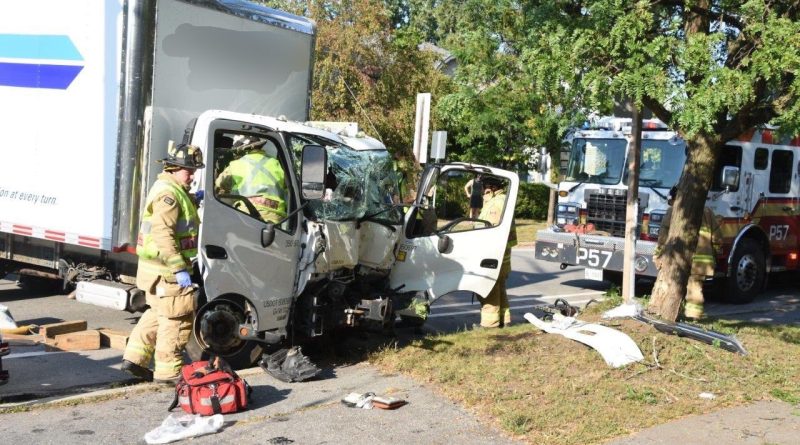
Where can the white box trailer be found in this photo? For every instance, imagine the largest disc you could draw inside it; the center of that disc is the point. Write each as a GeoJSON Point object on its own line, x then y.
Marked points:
{"type": "Point", "coordinates": [92, 91]}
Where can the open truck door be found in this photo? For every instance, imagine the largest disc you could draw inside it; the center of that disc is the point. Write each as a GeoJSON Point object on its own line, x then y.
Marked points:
{"type": "Point", "coordinates": [247, 255]}
{"type": "Point", "coordinates": [442, 248]}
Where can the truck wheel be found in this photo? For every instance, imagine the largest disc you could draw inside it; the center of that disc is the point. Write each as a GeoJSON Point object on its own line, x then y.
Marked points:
{"type": "Point", "coordinates": [244, 358]}
{"type": "Point", "coordinates": [747, 273]}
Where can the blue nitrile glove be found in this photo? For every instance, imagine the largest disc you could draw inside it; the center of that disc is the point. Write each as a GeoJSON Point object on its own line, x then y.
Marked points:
{"type": "Point", "coordinates": [184, 280]}
{"type": "Point", "coordinates": [198, 196]}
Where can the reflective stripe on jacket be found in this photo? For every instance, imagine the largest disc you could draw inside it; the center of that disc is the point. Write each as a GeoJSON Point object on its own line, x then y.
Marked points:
{"type": "Point", "coordinates": [185, 232]}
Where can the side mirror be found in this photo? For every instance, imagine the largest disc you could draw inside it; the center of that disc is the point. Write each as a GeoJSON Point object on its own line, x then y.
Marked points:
{"type": "Point", "coordinates": [730, 177]}
{"type": "Point", "coordinates": [444, 244]}
{"type": "Point", "coordinates": [267, 235]}
{"type": "Point", "coordinates": [313, 170]}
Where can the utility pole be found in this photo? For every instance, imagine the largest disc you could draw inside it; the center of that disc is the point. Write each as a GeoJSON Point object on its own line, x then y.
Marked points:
{"type": "Point", "coordinates": [632, 209]}
{"type": "Point", "coordinates": [423, 117]}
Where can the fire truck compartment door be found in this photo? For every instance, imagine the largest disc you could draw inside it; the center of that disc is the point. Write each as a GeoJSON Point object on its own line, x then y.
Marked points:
{"type": "Point", "coordinates": [474, 252]}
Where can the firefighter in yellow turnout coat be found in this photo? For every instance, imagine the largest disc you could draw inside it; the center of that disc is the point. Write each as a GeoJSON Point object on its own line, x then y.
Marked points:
{"type": "Point", "coordinates": [703, 260]}
{"type": "Point", "coordinates": [167, 242]}
{"type": "Point", "coordinates": [495, 311]}
{"type": "Point", "coordinates": [259, 178]}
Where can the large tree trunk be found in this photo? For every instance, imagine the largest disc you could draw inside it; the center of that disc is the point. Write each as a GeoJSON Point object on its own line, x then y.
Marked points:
{"type": "Point", "coordinates": [687, 214]}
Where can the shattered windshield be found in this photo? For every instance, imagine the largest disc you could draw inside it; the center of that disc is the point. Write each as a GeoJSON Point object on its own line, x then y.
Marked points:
{"type": "Point", "coordinates": [360, 184]}
{"type": "Point", "coordinates": [661, 163]}
{"type": "Point", "coordinates": [596, 161]}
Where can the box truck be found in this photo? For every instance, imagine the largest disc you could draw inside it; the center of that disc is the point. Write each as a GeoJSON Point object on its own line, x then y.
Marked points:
{"type": "Point", "coordinates": [90, 94]}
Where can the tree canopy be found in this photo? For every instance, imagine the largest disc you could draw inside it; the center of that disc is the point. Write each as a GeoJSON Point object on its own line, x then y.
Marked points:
{"type": "Point", "coordinates": [369, 68]}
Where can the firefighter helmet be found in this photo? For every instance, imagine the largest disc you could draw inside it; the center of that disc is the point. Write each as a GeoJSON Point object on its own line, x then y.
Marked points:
{"type": "Point", "coordinates": [248, 142]}
{"type": "Point", "coordinates": [185, 156]}
{"type": "Point", "coordinates": [492, 181]}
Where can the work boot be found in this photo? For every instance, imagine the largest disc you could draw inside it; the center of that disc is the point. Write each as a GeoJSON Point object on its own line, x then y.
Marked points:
{"type": "Point", "coordinates": [172, 381]}
{"type": "Point", "coordinates": [137, 371]}
{"type": "Point", "coordinates": [479, 327]}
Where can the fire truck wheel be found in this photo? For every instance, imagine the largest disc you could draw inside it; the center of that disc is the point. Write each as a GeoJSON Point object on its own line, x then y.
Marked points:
{"type": "Point", "coordinates": [748, 270]}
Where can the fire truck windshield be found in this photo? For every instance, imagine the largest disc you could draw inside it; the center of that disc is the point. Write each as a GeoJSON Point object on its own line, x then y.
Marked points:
{"type": "Point", "coordinates": [596, 161]}
{"type": "Point", "coordinates": [660, 164]}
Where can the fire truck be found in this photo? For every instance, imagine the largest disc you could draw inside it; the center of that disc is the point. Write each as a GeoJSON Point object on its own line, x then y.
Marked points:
{"type": "Point", "coordinates": [755, 196]}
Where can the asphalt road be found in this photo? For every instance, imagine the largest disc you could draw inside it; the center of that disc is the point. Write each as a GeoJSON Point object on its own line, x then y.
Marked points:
{"type": "Point", "coordinates": [530, 283]}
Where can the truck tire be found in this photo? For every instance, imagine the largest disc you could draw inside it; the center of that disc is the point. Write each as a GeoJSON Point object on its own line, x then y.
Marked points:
{"type": "Point", "coordinates": [244, 358]}
{"type": "Point", "coordinates": [747, 273]}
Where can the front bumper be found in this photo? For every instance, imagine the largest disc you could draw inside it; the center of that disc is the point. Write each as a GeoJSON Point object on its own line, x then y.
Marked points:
{"type": "Point", "coordinates": [592, 251]}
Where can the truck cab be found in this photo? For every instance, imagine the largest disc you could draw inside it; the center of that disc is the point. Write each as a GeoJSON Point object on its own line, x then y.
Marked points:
{"type": "Point", "coordinates": [347, 253]}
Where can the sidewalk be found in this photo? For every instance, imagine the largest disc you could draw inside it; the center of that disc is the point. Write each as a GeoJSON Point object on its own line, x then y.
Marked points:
{"type": "Point", "coordinates": [37, 375]}
{"type": "Point", "coordinates": [758, 423]}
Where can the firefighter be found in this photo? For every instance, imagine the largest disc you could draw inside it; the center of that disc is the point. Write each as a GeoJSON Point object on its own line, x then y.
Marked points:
{"type": "Point", "coordinates": [259, 178]}
{"type": "Point", "coordinates": [494, 308]}
{"type": "Point", "coordinates": [166, 244]}
{"type": "Point", "coordinates": [703, 259]}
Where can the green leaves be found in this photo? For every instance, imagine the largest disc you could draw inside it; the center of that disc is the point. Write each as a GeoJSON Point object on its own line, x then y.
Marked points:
{"type": "Point", "coordinates": [529, 69]}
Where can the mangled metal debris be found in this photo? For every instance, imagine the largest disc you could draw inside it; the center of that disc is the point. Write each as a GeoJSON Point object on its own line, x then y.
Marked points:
{"type": "Point", "coordinates": [616, 347]}
{"type": "Point", "coordinates": [726, 342]}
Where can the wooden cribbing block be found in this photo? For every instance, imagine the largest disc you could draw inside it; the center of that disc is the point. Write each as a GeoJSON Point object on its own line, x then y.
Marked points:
{"type": "Point", "coordinates": [76, 341]}
{"type": "Point", "coordinates": [49, 331]}
{"type": "Point", "coordinates": [114, 339]}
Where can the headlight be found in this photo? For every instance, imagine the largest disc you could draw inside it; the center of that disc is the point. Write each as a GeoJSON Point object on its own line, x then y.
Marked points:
{"type": "Point", "coordinates": [653, 230]}
{"type": "Point", "coordinates": [640, 263]}
{"type": "Point", "coordinates": [567, 214]}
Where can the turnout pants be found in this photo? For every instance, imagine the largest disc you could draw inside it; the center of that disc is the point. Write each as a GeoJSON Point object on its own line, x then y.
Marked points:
{"type": "Point", "coordinates": [693, 307]}
{"type": "Point", "coordinates": [494, 308]}
{"type": "Point", "coordinates": [163, 331]}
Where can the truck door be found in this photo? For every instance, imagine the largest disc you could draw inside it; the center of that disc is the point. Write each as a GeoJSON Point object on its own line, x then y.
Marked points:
{"type": "Point", "coordinates": [443, 248]}
{"type": "Point", "coordinates": [234, 212]}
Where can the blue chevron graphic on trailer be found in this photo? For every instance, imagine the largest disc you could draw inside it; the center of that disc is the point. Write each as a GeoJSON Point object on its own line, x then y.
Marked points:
{"type": "Point", "coordinates": [38, 61]}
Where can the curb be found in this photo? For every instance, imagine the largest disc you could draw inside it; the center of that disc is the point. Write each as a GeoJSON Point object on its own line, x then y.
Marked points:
{"type": "Point", "coordinates": [101, 391]}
